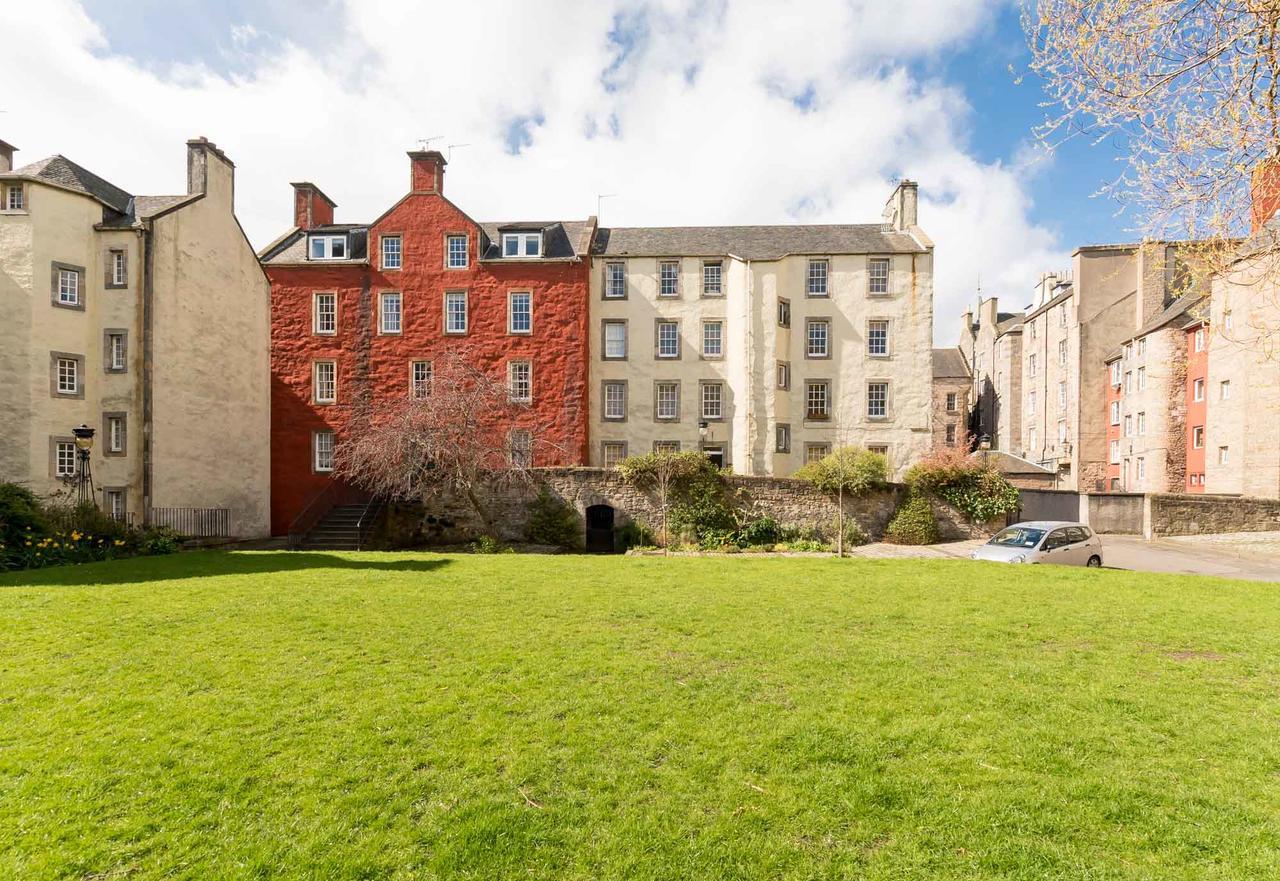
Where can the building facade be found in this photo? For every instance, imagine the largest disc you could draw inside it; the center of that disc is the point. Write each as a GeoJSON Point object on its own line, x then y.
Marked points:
{"type": "Point", "coordinates": [360, 312]}
{"type": "Point", "coordinates": [991, 342]}
{"type": "Point", "coordinates": [952, 386]}
{"type": "Point", "coordinates": [146, 318]}
{"type": "Point", "coordinates": [765, 347]}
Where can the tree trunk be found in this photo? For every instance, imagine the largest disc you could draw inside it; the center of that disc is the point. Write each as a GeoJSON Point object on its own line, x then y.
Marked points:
{"type": "Point", "coordinates": [840, 521]}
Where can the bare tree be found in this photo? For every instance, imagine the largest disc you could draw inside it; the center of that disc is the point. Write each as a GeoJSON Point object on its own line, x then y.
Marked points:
{"type": "Point", "coordinates": [454, 434]}
{"type": "Point", "coordinates": [663, 472]}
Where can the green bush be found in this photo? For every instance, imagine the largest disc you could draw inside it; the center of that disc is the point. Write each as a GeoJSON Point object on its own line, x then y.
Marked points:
{"type": "Point", "coordinates": [971, 486]}
{"type": "Point", "coordinates": [488, 544]}
{"type": "Point", "coordinates": [695, 491]}
{"type": "Point", "coordinates": [552, 522]}
{"type": "Point", "coordinates": [633, 534]}
{"type": "Point", "coordinates": [20, 514]}
{"type": "Point", "coordinates": [913, 522]}
{"type": "Point", "coordinates": [854, 469]}
{"type": "Point", "coordinates": [853, 534]}
{"type": "Point", "coordinates": [764, 531]}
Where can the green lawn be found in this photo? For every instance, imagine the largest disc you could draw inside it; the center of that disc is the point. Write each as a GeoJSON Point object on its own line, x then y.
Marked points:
{"type": "Point", "coordinates": [335, 716]}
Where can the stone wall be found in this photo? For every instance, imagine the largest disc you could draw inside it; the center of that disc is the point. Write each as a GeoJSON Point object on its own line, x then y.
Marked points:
{"type": "Point", "coordinates": [448, 519]}
{"type": "Point", "coordinates": [1202, 515]}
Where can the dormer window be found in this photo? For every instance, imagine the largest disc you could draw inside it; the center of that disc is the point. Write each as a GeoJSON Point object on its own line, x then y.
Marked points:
{"type": "Point", "coordinates": [522, 244]}
{"type": "Point", "coordinates": [13, 198]}
{"type": "Point", "coordinates": [328, 247]}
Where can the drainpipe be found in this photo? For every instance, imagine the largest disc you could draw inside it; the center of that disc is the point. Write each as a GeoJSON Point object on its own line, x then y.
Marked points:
{"type": "Point", "coordinates": [148, 351]}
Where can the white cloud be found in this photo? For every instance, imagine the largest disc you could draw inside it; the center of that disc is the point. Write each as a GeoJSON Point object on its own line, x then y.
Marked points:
{"type": "Point", "coordinates": [691, 112]}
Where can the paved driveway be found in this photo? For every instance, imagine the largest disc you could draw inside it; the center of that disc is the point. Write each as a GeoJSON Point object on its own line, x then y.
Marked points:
{"type": "Point", "coordinates": [1224, 556]}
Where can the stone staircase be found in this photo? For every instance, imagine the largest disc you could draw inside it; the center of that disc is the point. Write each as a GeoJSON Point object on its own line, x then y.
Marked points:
{"type": "Point", "coordinates": [342, 530]}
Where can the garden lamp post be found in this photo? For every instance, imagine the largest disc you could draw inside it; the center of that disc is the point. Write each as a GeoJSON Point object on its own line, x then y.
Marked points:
{"type": "Point", "coordinates": [84, 476]}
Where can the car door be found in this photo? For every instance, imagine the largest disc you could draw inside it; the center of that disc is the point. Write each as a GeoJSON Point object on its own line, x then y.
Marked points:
{"type": "Point", "coordinates": [1078, 550]}
{"type": "Point", "coordinates": [1056, 548]}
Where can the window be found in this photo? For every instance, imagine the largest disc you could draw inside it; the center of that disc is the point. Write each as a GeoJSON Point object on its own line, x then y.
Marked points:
{"type": "Point", "coordinates": [817, 399]}
{"type": "Point", "coordinates": [1031, 365]}
{"type": "Point", "coordinates": [1142, 379]}
{"type": "Point", "coordinates": [784, 312]}
{"type": "Point", "coordinates": [1034, 441]}
{"type": "Point", "coordinates": [879, 449]}
{"type": "Point", "coordinates": [1197, 437]}
{"type": "Point", "coordinates": [784, 375]}
{"type": "Point", "coordinates": [953, 402]}
{"type": "Point", "coordinates": [68, 376]}
{"type": "Point", "coordinates": [1062, 315]}
{"type": "Point", "coordinates": [1128, 426]}
{"type": "Point", "coordinates": [520, 381]}
{"type": "Point", "coordinates": [391, 253]}
{"type": "Point", "coordinates": [64, 458]}
{"type": "Point", "coordinates": [68, 287]}
{"type": "Point", "coordinates": [1115, 412]}
{"type": "Point", "coordinates": [712, 280]}
{"type": "Point", "coordinates": [613, 452]}
{"type": "Point", "coordinates": [520, 312]}
{"type": "Point", "coordinates": [1142, 468]}
{"type": "Point", "coordinates": [666, 446]}
{"type": "Point", "coordinates": [116, 360]}
{"type": "Point", "coordinates": [520, 447]}
{"type": "Point", "coordinates": [1114, 452]}
{"type": "Point", "coordinates": [1197, 390]}
{"type": "Point", "coordinates": [324, 381]}
{"type": "Point", "coordinates": [816, 285]}
{"type": "Point", "coordinates": [1224, 390]}
{"type": "Point", "coordinates": [817, 338]}
{"type": "Point", "coordinates": [325, 314]}
{"type": "Point", "coordinates": [456, 255]}
{"type": "Point", "coordinates": [1224, 455]}
{"type": "Point", "coordinates": [951, 434]}
{"type": "Point", "coordinates": [521, 244]}
{"type": "Point", "coordinates": [1033, 330]}
{"type": "Point", "coordinates": [419, 379]}
{"type": "Point", "coordinates": [1062, 395]}
{"type": "Point", "coordinates": [1142, 347]}
{"type": "Point", "coordinates": [119, 269]}
{"type": "Point", "coordinates": [878, 276]}
{"type": "Point", "coordinates": [1115, 373]}
{"type": "Point", "coordinates": [615, 400]}
{"type": "Point", "coordinates": [13, 198]}
{"type": "Point", "coordinates": [455, 312]}
{"type": "Point", "coordinates": [615, 281]}
{"type": "Point", "coordinates": [389, 313]}
{"type": "Point", "coordinates": [877, 400]}
{"type": "Point", "coordinates": [1031, 403]}
{"type": "Point", "coordinates": [666, 403]}
{"type": "Point", "coordinates": [328, 248]}
{"type": "Point", "coordinates": [1128, 381]}
{"type": "Point", "coordinates": [1227, 323]}
{"type": "Point", "coordinates": [668, 278]}
{"type": "Point", "coordinates": [615, 340]}
{"type": "Point", "coordinates": [878, 338]}
{"type": "Point", "coordinates": [782, 438]}
{"type": "Point", "coordinates": [816, 452]}
{"type": "Point", "coordinates": [115, 425]}
{"type": "Point", "coordinates": [712, 339]}
{"type": "Point", "coordinates": [668, 339]}
{"type": "Point", "coordinates": [1062, 352]}
{"type": "Point", "coordinates": [113, 501]}
{"type": "Point", "coordinates": [1128, 351]}
{"type": "Point", "coordinates": [712, 400]}
{"type": "Point", "coordinates": [1142, 424]}
{"type": "Point", "coordinates": [322, 444]}
{"type": "Point", "coordinates": [1062, 432]}
{"type": "Point", "coordinates": [1199, 343]}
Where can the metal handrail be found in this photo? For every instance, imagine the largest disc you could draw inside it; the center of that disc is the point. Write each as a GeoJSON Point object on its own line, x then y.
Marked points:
{"type": "Point", "coordinates": [334, 493]}
{"type": "Point", "coordinates": [373, 500]}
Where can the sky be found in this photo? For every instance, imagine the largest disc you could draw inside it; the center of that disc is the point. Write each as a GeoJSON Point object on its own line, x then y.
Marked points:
{"type": "Point", "coordinates": [675, 112]}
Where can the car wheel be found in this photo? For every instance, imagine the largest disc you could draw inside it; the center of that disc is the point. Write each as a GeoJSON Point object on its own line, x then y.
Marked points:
{"type": "Point", "coordinates": [1095, 562]}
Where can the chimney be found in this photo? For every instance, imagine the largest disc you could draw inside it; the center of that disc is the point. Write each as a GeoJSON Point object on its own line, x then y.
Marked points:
{"type": "Point", "coordinates": [901, 212]}
{"type": "Point", "coordinates": [1266, 192]}
{"type": "Point", "coordinates": [6, 156]}
{"type": "Point", "coordinates": [209, 170]}
{"type": "Point", "coordinates": [426, 171]}
{"type": "Point", "coordinates": [311, 208]}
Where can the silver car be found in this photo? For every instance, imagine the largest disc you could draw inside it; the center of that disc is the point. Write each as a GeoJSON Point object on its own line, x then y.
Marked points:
{"type": "Point", "coordinates": [1044, 541]}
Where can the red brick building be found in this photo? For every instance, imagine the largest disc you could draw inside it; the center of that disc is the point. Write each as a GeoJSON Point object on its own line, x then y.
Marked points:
{"type": "Point", "coordinates": [1196, 403]}
{"type": "Point", "coordinates": [360, 310]}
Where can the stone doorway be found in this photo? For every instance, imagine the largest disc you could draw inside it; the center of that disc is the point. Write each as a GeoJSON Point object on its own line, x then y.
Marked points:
{"type": "Point", "coordinates": [600, 529]}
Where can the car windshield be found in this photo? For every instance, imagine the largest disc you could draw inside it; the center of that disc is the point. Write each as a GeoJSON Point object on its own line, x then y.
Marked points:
{"type": "Point", "coordinates": [1018, 537]}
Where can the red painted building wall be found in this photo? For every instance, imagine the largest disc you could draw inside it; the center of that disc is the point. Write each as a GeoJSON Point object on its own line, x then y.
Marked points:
{"type": "Point", "coordinates": [378, 364]}
{"type": "Point", "coordinates": [1197, 411]}
{"type": "Point", "coordinates": [1114, 395]}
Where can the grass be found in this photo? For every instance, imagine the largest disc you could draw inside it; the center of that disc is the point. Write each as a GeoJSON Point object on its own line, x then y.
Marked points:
{"type": "Point", "coordinates": [342, 716]}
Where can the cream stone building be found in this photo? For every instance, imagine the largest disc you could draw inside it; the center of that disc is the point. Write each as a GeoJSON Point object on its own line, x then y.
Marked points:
{"type": "Point", "coordinates": [764, 346]}
{"type": "Point", "coordinates": [991, 342]}
{"type": "Point", "coordinates": [1242, 446]}
{"type": "Point", "coordinates": [146, 318]}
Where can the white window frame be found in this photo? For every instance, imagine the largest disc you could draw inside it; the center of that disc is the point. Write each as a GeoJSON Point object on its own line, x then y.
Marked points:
{"type": "Point", "coordinates": [878, 399]}
{"type": "Point", "coordinates": [385, 314]}
{"type": "Point", "coordinates": [1113, 453]}
{"type": "Point", "coordinates": [1224, 390]}
{"type": "Point", "coordinates": [1224, 455]}
{"type": "Point", "coordinates": [512, 297]}
{"type": "Point", "coordinates": [783, 378]}
{"type": "Point", "coordinates": [621, 340]}
{"type": "Point", "coordinates": [612, 452]}
{"type": "Point", "coordinates": [323, 444]}
{"type": "Point", "coordinates": [880, 326]}
{"type": "Point", "coordinates": [520, 447]}
{"type": "Point", "coordinates": [614, 394]}
{"type": "Point", "coordinates": [113, 500]}
{"type": "Point", "coordinates": [317, 327]}
{"type": "Point", "coordinates": [451, 254]}
{"type": "Point", "coordinates": [1062, 353]}
{"type": "Point", "coordinates": [784, 312]}
{"type": "Point", "coordinates": [782, 437]}
{"type": "Point", "coordinates": [522, 240]}
{"type": "Point", "coordinates": [817, 279]}
{"type": "Point", "coordinates": [1115, 412]}
{"type": "Point", "coordinates": [68, 287]}
{"type": "Point", "coordinates": [668, 409]}
{"type": "Point", "coordinates": [1197, 390]}
{"type": "Point", "coordinates": [1142, 423]}
{"type": "Point", "coordinates": [421, 374]}
{"type": "Point", "coordinates": [59, 459]}
{"type": "Point", "coordinates": [117, 352]}
{"type": "Point", "coordinates": [327, 243]}
{"type": "Point", "coordinates": [67, 369]}
{"type": "Point", "coordinates": [1197, 437]}
{"type": "Point", "coordinates": [809, 326]}
{"type": "Point", "coordinates": [1199, 340]}
{"type": "Point", "coordinates": [119, 268]}
{"type": "Point", "coordinates": [716, 351]}
{"type": "Point", "coordinates": [116, 434]}
{"type": "Point", "coordinates": [615, 280]}
{"type": "Point", "coordinates": [713, 278]}
{"type": "Point", "coordinates": [324, 382]}
{"type": "Point", "coordinates": [878, 269]}
{"type": "Point", "coordinates": [15, 198]}
{"type": "Point", "coordinates": [520, 381]}
{"type": "Point", "coordinates": [673, 290]}
{"type": "Point", "coordinates": [812, 387]}
{"type": "Point", "coordinates": [1142, 379]}
{"type": "Point", "coordinates": [659, 341]}
{"type": "Point", "coordinates": [450, 298]}
{"type": "Point", "coordinates": [952, 402]}
{"type": "Point", "coordinates": [392, 260]}
{"type": "Point", "coordinates": [711, 400]}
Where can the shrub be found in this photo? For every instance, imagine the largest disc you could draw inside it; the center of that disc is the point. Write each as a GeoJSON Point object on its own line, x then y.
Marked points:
{"type": "Point", "coordinates": [717, 539]}
{"type": "Point", "coordinates": [690, 491]}
{"type": "Point", "coordinates": [552, 522]}
{"type": "Point", "coordinates": [853, 469]}
{"type": "Point", "coordinates": [913, 522]}
{"type": "Point", "coordinates": [20, 514]}
{"type": "Point", "coordinates": [764, 531]}
{"type": "Point", "coordinates": [488, 544]}
{"type": "Point", "coordinates": [633, 534]}
{"type": "Point", "coordinates": [972, 487]}
{"type": "Point", "coordinates": [853, 534]}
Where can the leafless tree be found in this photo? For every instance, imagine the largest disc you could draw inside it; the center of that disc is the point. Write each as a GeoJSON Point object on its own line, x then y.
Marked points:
{"type": "Point", "coordinates": [458, 432]}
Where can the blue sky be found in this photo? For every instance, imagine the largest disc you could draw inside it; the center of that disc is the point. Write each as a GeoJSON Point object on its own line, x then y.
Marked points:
{"type": "Point", "coordinates": [691, 111]}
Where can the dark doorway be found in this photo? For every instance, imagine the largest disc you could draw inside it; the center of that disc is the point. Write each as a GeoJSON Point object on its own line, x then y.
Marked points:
{"type": "Point", "coordinates": [714, 452]}
{"type": "Point", "coordinates": [600, 529]}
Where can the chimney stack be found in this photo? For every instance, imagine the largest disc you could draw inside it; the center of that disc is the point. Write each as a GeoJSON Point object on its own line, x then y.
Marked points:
{"type": "Point", "coordinates": [901, 212]}
{"type": "Point", "coordinates": [1266, 193]}
{"type": "Point", "coordinates": [426, 171]}
{"type": "Point", "coordinates": [6, 156]}
{"type": "Point", "coordinates": [311, 207]}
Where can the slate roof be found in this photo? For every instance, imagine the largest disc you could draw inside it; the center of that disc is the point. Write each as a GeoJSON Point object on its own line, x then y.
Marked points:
{"type": "Point", "coordinates": [1180, 308]}
{"type": "Point", "coordinates": [1007, 463]}
{"type": "Point", "coordinates": [751, 242]}
{"type": "Point", "coordinates": [1067, 291]}
{"type": "Point", "coordinates": [949, 363]}
{"type": "Point", "coordinates": [293, 247]}
{"type": "Point", "coordinates": [63, 172]}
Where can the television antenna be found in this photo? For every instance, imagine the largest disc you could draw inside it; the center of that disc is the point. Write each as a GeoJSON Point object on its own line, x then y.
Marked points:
{"type": "Point", "coordinates": [425, 143]}
{"type": "Point", "coordinates": [600, 197]}
{"type": "Point", "coordinates": [450, 149]}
